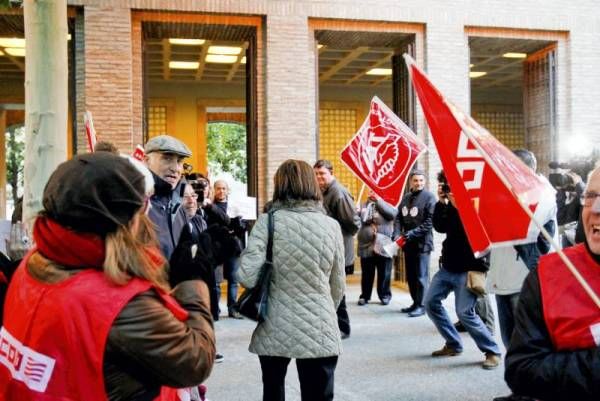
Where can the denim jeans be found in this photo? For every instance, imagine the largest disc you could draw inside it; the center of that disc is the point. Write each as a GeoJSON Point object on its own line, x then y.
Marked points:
{"type": "Point", "coordinates": [441, 285]}
{"type": "Point", "coordinates": [230, 268]}
{"type": "Point", "coordinates": [507, 306]}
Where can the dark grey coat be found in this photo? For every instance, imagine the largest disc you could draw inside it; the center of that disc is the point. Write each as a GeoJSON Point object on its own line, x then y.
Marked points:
{"type": "Point", "coordinates": [339, 204]}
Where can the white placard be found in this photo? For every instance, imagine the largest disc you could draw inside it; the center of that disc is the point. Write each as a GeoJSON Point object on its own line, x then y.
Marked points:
{"type": "Point", "coordinates": [242, 206]}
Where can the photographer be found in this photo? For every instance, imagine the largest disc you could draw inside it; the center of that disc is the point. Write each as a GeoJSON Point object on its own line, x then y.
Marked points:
{"type": "Point", "coordinates": [569, 189]}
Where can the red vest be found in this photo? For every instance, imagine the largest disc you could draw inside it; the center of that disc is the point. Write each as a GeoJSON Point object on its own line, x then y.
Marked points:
{"type": "Point", "coordinates": [572, 318]}
{"type": "Point", "coordinates": [54, 335]}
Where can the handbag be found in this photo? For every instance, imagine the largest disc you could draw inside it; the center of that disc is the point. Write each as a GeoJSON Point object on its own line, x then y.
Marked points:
{"type": "Point", "coordinates": [253, 301]}
{"type": "Point", "coordinates": [476, 282]}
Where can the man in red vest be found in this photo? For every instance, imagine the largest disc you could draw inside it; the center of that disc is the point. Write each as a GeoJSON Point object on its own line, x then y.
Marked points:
{"type": "Point", "coordinates": [554, 352]}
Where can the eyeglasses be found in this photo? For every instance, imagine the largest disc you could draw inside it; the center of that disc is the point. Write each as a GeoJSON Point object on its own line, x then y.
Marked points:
{"type": "Point", "coordinates": [195, 196]}
{"type": "Point", "coordinates": [589, 197]}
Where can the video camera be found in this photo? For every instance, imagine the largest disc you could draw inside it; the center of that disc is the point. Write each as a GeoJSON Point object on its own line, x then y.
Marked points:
{"type": "Point", "coordinates": [199, 183]}
{"type": "Point", "coordinates": [560, 179]}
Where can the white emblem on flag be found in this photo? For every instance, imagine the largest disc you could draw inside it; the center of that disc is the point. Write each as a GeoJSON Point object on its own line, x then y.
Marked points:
{"type": "Point", "coordinates": [595, 329]}
{"type": "Point", "coordinates": [25, 365]}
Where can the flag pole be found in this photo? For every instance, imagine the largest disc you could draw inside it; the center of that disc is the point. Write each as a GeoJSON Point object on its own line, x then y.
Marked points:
{"type": "Point", "coordinates": [360, 194]}
{"type": "Point", "coordinates": [544, 232]}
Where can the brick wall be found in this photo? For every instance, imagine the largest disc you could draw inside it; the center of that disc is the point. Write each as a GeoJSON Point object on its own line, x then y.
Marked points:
{"type": "Point", "coordinates": [108, 77]}
{"type": "Point", "coordinates": [284, 84]}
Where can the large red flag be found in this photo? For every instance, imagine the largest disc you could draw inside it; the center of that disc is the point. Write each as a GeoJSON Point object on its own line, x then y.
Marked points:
{"type": "Point", "coordinates": [382, 152]}
{"type": "Point", "coordinates": [485, 177]}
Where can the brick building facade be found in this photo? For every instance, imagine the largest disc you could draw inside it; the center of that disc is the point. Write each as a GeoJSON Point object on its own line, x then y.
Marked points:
{"type": "Point", "coordinates": [108, 68]}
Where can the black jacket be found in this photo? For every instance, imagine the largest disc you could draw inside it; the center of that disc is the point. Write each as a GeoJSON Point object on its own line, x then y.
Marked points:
{"type": "Point", "coordinates": [534, 368]}
{"type": "Point", "coordinates": [417, 229]}
{"type": "Point", "coordinates": [457, 255]}
{"type": "Point", "coordinates": [167, 214]}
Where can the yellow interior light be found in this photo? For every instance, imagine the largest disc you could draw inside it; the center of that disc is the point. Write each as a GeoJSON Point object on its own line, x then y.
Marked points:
{"type": "Point", "coordinates": [320, 46]}
{"type": "Point", "coordinates": [514, 55]}
{"type": "Point", "coordinates": [186, 42]}
{"type": "Point", "coordinates": [379, 71]}
{"type": "Point", "coordinates": [12, 42]}
{"type": "Point", "coordinates": [220, 59]}
{"type": "Point", "coordinates": [225, 50]}
{"type": "Point", "coordinates": [477, 74]}
{"type": "Point", "coordinates": [184, 65]}
{"type": "Point", "coordinates": [243, 60]}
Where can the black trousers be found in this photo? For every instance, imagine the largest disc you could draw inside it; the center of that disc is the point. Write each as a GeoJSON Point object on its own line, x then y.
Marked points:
{"type": "Point", "coordinates": [315, 375]}
{"type": "Point", "coordinates": [417, 274]}
{"type": "Point", "coordinates": [384, 277]}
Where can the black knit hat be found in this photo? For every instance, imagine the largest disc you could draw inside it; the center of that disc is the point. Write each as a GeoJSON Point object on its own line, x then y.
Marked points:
{"type": "Point", "coordinates": [94, 193]}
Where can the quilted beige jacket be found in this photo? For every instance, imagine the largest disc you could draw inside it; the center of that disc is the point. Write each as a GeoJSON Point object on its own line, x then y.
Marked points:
{"type": "Point", "coordinates": [307, 284]}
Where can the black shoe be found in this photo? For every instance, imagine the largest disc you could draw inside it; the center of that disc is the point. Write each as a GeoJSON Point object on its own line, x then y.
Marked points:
{"type": "Point", "coordinates": [344, 335]}
{"type": "Point", "coordinates": [362, 301]}
{"type": "Point", "coordinates": [409, 309]}
{"type": "Point", "coordinates": [219, 358]}
{"type": "Point", "coordinates": [385, 301]}
{"type": "Point", "coordinates": [235, 314]}
{"type": "Point", "coordinates": [419, 311]}
{"type": "Point", "coordinates": [460, 327]}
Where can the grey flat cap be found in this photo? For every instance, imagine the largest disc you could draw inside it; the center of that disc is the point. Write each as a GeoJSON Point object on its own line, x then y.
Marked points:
{"type": "Point", "coordinates": [167, 144]}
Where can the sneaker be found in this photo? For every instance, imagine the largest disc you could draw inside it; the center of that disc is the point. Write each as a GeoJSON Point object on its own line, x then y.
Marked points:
{"type": "Point", "coordinates": [235, 314]}
{"type": "Point", "coordinates": [491, 361]}
{"type": "Point", "coordinates": [409, 309]}
{"type": "Point", "coordinates": [219, 358]}
{"type": "Point", "coordinates": [362, 301]}
{"type": "Point", "coordinates": [420, 311]}
{"type": "Point", "coordinates": [446, 351]}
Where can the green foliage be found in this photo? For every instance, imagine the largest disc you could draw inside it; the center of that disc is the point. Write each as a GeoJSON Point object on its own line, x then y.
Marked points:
{"type": "Point", "coordinates": [15, 157]}
{"type": "Point", "coordinates": [4, 4]}
{"type": "Point", "coordinates": [226, 145]}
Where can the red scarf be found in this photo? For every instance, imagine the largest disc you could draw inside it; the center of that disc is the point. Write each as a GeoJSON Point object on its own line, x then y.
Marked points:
{"type": "Point", "coordinates": [67, 247]}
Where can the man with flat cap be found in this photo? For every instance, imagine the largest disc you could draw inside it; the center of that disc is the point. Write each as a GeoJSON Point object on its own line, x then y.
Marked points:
{"type": "Point", "coordinates": [164, 157]}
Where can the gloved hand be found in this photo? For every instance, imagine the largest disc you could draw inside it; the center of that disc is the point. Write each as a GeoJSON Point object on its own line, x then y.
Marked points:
{"type": "Point", "coordinates": [191, 260]}
{"type": "Point", "coordinates": [225, 244]}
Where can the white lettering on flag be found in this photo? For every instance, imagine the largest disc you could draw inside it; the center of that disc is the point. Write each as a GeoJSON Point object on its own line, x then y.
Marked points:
{"type": "Point", "coordinates": [25, 365]}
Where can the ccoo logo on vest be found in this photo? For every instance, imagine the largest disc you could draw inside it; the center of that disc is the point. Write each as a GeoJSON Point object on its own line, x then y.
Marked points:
{"type": "Point", "coordinates": [25, 365]}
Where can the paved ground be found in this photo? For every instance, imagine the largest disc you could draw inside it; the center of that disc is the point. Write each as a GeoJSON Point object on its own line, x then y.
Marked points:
{"type": "Point", "coordinates": [387, 358]}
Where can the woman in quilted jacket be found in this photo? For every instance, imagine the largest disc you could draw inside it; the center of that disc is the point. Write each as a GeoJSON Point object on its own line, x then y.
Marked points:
{"type": "Point", "coordinates": [306, 287]}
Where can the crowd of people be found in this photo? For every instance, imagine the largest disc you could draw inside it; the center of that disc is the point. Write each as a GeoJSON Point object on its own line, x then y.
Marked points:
{"type": "Point", "coordinates": [134, 255]}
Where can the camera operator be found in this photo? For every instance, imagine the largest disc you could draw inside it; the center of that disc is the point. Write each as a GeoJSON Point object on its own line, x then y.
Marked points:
{"type": "Point", "coordinates": [569, 190]}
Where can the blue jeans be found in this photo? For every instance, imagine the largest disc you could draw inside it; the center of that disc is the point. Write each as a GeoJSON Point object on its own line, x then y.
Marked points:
{"type": "Point", "coordinates": [441, 285]}
{"type": "Point", "coordinates": [507, 306]}
{"type": "Point", "coordinates": [230, 268]}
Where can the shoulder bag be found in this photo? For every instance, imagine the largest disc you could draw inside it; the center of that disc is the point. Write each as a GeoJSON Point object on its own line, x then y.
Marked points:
{"type": "Point", "coordinates": [253, 301]}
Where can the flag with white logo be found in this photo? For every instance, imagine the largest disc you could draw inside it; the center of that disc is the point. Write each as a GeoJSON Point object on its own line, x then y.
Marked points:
{"type": "Point", "coordinates": [486, 178]}
{"type": "Point", "coordinates": [382, 152]}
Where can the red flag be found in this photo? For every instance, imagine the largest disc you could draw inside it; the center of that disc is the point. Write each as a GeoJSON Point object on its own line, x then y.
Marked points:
{"type": "Point", "coordinates": [382, 152]}
{"type": "Point", "coordinates": [139, 153]}
{"type": "Point", "coordinates": [90, 132]}
{"type": "Point", "coordinates": [486, 178]}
